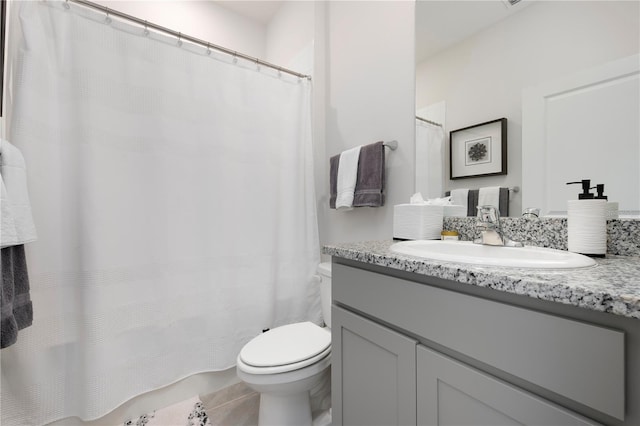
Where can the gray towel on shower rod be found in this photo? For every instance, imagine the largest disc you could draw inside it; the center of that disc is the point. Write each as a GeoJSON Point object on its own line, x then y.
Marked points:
{"type": "Point", "coordinates": [370, 182]}
{"type": "Point", "coordinates": [16, 310]}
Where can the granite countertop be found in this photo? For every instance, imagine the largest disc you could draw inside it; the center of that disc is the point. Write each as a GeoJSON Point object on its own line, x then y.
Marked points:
{"type": "Point", "coordinates": [613, 285]}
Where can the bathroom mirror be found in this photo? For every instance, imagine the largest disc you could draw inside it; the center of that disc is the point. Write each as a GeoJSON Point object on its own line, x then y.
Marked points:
{"type": "Point", "coordinates": [476, 60]}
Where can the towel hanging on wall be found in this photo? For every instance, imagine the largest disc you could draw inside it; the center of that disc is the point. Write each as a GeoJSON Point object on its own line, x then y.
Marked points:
{"type": "Point", "coordinates": [16, 223]}
{"type": "Point", "coordinates": [16, 229]}
{"type": "Point", "coordinates": [369, 177]}
{"type": "Point", "coordinates": [17, 309]}
{"type": "Point", "coordinates": [370, 182]}
{"type": "Point", "coordinates": [347, 177]}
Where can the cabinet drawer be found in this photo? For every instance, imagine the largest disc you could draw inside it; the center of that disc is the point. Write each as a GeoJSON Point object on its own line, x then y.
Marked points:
{"type": "Point", "coordinates": [580, 361]}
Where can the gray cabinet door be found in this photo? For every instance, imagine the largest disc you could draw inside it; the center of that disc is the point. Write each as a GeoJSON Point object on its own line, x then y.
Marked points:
{"type": "Point", "coordinates": [373, 373]}
{"type": "Point", "coordinates": [452, 393]}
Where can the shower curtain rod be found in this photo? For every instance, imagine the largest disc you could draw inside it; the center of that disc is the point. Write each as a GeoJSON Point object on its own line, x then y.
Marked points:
{"type": "Point", "coordinates": [181, 36]}
{"type": "Point", "coordinates": [428, 121]}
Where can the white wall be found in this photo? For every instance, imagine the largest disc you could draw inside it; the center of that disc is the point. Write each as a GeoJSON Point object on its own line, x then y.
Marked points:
{"type": "Point", "coordinates": [370, 97]}
{"type": "Point", "coordinates": [201, 19]}
{"type": "Point", "coordinates": [290, 35]}
{"type": "Point", "coordinates": [296, 39]}
{"type": "Point", "coordinates": [482, 78]}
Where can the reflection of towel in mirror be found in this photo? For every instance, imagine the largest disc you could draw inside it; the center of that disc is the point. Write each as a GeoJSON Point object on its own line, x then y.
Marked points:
{"type": "Point", "coordinates": [16, 310]}
{"type": "Point", "coordinates": [489, 196]}
{"type": "Point", "coordinates": [370, 183]}
{"type": "Point", "coordinates": [460, 197]}
{"type": "Point", "coordinates": [495, 196]}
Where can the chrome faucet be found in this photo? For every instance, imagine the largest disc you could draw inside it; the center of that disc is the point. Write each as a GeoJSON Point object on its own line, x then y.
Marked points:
{"type": "Point", "coordinates": [490, 229]}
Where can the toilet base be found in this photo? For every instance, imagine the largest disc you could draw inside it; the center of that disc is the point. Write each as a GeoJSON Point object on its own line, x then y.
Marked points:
{"type": "Point", "coordinates": [284, 397]}
{"type": "Point", "coordinates": [284, 410]}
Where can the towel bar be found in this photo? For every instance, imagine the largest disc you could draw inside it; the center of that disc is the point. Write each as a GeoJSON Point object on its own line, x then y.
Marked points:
{"type": "Point", "coordinates": [392, 145]}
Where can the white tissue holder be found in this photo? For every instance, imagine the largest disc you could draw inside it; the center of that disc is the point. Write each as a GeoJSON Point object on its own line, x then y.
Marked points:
{"type": "Point", "coordinates": [417, 221]}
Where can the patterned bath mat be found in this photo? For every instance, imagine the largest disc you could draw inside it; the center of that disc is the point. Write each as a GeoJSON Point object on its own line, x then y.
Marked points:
{"type": "Point", "coordinates": [186, 413]}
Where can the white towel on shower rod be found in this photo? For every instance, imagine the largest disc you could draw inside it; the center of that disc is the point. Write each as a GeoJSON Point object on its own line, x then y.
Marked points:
{"type": "Point", "coordinates": [347, 176]}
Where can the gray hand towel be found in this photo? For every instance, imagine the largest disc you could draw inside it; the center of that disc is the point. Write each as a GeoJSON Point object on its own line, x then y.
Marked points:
{"type": "Point", "coordinates": [16, 310]}
{"type": "Point", "coordinates": [472, 206]}
{"type": "Point", "coordinates": [370, 182]}
{"type": "Point", "coordinates": [504, 202]}
{"type": "Point", "coordinates": [333, 180]}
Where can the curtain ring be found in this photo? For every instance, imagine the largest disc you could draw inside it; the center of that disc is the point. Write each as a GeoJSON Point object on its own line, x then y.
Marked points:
{"type": "Point", "coordinates": [258, 64]}
{"type": "Point", "coordinates": [107, 19]}
{"type": "Point", "coordinates": [66, 5]}
{"type": "Point", "coordinates": [146, 30]}
{"type": "Point", "coordinates": [179, 39]}
{"type": "Point", "coordinates": [208, 48]}
{"type": "Point", "coordinates": [235, 57]}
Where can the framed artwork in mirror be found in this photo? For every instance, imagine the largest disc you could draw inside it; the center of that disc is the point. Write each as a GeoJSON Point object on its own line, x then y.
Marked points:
{"type": "Point", "coordinates": [479, 150]}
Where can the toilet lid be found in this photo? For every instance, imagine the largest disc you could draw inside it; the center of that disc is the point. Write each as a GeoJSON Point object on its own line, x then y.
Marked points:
{"type": "Point", "coordinates": [284, 345]}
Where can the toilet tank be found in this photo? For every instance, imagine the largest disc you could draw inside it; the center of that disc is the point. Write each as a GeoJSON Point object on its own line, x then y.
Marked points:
{"type": "Point", "coordinates": [324, 271]}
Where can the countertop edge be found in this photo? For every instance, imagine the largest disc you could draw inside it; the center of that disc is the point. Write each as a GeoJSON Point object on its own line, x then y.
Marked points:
{"type": "Point", "coordinates": [588, 288]}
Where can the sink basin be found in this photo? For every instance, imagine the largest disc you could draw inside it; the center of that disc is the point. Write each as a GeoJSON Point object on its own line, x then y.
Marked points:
{"type": "Point", "coordinates": [483, 255]}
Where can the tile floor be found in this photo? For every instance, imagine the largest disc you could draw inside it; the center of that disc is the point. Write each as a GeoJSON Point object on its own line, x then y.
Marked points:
{"type": "Point", "coordinates": [235, 405]}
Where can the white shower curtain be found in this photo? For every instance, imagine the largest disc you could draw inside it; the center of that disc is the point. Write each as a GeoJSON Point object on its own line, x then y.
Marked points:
{"type": "Point", "coordinates": [173, 195]}
{"type": "Point", "coordinates": [430, 156]}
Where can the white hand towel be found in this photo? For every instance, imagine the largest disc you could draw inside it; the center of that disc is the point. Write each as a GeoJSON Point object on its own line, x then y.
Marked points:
{"type": "Point", "coordinates": [460, 197]}
{"type": "Point", "coordinates": [17, 227]}
{"type": "Point", "coordinates": [8, 231]}
{"type": "Point", "coordinates": [489, 196]}
{"type": "Point", "coordinates": [347, 176]}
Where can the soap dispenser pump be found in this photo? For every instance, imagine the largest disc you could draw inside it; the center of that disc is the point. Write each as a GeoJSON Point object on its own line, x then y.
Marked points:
{"type": "Point", "coordinates": [586, 186]}
{"type": "Point", "coordinates": [600, 190]}
{"type": "Point", "coordinates": [586, 221]}
{"type": "Point", "coordinates": [612, 207]}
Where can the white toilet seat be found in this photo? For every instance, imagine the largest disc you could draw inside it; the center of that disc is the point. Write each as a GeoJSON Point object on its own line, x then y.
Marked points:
{"type": "Point", "coordinates": [286, 348]}
{"type": "Point", "coordinates": [282, 368]}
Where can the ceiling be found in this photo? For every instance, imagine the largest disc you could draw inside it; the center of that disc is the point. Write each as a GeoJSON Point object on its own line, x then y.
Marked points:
{"type": "Point", "coordinates": [439, 23]}
{"type": "Point", "coordinates": [258, 10]}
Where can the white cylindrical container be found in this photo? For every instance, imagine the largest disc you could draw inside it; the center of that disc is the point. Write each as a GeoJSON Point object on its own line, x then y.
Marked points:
{"type": "Point", "coordinates": [587, 227]}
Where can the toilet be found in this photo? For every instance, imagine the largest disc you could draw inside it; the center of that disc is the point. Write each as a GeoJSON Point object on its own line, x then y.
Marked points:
{"type": "Point", "coordinates": [285, 363]}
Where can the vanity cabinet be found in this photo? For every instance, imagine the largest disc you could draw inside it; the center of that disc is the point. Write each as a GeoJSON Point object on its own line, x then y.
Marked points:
{"type": "Point", "coordinates": [377, 370]}
{"type": "Point", "coordinates": [452, 393]}
{"type": "Point", "coordinates": [408, 352]}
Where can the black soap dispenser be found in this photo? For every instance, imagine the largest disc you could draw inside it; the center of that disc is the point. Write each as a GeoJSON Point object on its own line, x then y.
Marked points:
{"type": "Point", "coordinates": [600, 190]}
{"type": "Point", "coordinates": [586, 221]}
{"type": "Point", "coordinates": [612, 207]}
{"type": "Point", "coordinates": [586, 186]}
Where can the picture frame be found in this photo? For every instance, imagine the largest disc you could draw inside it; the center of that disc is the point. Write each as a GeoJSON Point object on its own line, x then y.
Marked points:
{"type": "Point", "coordinates": [478, 150]}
